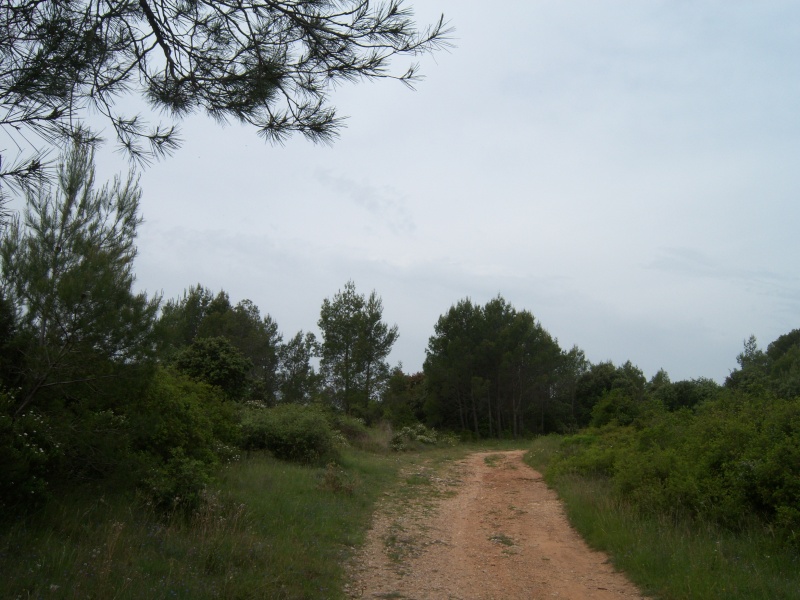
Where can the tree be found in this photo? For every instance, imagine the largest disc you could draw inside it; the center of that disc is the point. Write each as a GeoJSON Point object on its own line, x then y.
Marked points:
{"type": "Point", "coordinates": [492, 370]}
{"type": "Point", "coordinates": [217, 362]}
{"type": "Point", "coordinates": [753, 367]}
{"type": "Point", "coordinates": [297, 379]}
{"type": "Point", "coordinates": [355, 344]}
{"type": "Point", "coordinates": [180, 320]}
{"type": "Point", "coordinates": [374, 345]}
{"type": "Point", "coordinates": [67, 269]}
{"type": "Point", "coordinates": [267, 63]}
{"type": "Point", "coordinates": [201, 314]}
{"type": "Point", "coordinates": [403, 399]}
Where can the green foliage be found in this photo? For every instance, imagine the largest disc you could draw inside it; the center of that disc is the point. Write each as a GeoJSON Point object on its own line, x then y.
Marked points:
{"type": "Point", "coordinates": [67, 269]}
{"type": "Point", "coordinates": [737, 456]}
{"type": "Point", "coordinates": [178, 484]}
{"type": "Point", "coordinates": [297, 380]}
{"type": "Point", "coordinates": [353, 429]}
{"type": "Point", "coordinates": [777, 369]}
{"type": "Point", "coordinates": [180, 430]}
{"type": "Point", "coordinates": [355, 344]}
{"type": "Point", "coordinates": [617, 407]}
{"type": "Point", "coordinates": [264, 529]}
{"type": "Point", "coordinates": [493, 370]}
{"type": "Point", "coordinates": [179, 413]}
{"type": "Point", "coordinates": [403, 402]}
{"type": "Point", "coordinates": [418, 436]}
{"type": "Point", "coordinates": [28, 453]}
{"type": "Point", "coordinates": [217, 362]}
{"type": "Point", "coordinates": [269, 65]}
{"type": "Point", "coordinates": [290, 432]}
{"type": "Point", "coordinates": [667, 554]}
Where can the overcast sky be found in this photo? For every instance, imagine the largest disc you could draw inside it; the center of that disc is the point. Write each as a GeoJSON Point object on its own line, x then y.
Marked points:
{"type": "Point", "coordinates": [627, 171]}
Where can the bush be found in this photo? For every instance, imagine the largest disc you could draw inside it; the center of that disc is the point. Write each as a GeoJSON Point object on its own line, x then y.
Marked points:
{"type": "Point", "coordinates": [27, 454]}
{"type": "Point", "coordinates": [353, 431]}
{"type": "Point", "coordinates": [179, 413]}
{"type": "Point", "coordinates": [418, 436]}
{"type": "Point", "coordinates": [737, 457]}
{"type": "Point", "coordinates": [179, 484]}
{"type": "Point", "coordinates": [180, 430]}
{"type": "Point", "coordinates": [290, 432]}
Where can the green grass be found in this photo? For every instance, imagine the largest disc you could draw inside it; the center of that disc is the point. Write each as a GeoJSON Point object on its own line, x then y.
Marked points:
{"type": "Point", "coordinates": [674, 559]}
{"type": "Point", "coordinates": [276, 531]}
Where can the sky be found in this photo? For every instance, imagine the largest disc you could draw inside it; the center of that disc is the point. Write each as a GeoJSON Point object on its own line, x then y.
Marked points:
{"type": "Point", "coordinates": [627, 171]}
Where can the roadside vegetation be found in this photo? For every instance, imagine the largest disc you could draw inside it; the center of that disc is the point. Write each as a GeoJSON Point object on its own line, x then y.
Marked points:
{"type": "Point", "coordinates": [265, 528]}
{"type": "Point", "coordinates": [183, 448]}
{"type": "Point", "coordinates": [695, 505]}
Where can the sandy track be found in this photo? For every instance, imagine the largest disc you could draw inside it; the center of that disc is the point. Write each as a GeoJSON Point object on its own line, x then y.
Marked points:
{"type": "Point", "coordinates": [489, 528]}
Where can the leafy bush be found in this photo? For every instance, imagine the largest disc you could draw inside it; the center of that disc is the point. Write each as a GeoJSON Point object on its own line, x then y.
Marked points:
{"type": "Point", "coordinates": [180, 430]}
{"type": "Point", "coordinates": [418, 436]}
{"type": "Point", "coordinates": [737, 457]}
{"type": "Point", "coordinates": [177, 412]}
{"type": "Point", "coordinates": [352, 431]}
{"type": "Point", "coordinates": [290, 432]}
{"type": "Point", "coordinates": [27, 453]}
{"type": "Point", "coordinates": [218, 362]}
{"type": "Point", "coordinates": [179, 483]}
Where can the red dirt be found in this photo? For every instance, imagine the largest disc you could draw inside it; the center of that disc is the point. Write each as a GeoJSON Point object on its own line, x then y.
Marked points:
{"type": "Point", "coordinates": [487, 528]}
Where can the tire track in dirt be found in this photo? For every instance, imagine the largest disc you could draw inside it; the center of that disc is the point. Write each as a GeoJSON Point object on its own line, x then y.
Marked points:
{"type": "Point", "coordinates": [489, 529]}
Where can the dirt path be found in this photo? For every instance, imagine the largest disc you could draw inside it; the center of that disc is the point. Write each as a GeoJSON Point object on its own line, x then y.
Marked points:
{"type": "Point", "coordinates": [486, 527]}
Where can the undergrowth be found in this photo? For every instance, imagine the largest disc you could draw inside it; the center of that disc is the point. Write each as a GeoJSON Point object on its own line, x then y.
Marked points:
{"type": "Point", "coordinates": [669, 556]}
{"type": "Point", "coordinates": [268, 529]}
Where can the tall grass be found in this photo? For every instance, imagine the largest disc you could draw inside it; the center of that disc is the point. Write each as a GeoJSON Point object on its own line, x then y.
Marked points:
{"type": "Point", "coordinates": [269, 530]}
{"type": "Point", "coordinates": [673, 558]}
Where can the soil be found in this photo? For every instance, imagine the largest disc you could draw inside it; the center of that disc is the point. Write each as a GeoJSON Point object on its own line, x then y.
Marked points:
{"type": "Point", "coordinates": [483, 528]}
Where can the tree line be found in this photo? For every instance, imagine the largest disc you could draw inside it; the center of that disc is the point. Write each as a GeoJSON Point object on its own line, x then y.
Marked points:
{"type": "Point", "coordinates": [97, 379]}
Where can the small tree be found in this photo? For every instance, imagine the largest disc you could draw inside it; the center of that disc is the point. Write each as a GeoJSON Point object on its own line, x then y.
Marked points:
{"type": "Point", "coordinates": [217, 362]}
{"type": "Point", "coordinates": [355, 344]}
{"type": "Point", "coordinates": [67, 271]}
{"type": "Point", "coordinates": [298, 381]}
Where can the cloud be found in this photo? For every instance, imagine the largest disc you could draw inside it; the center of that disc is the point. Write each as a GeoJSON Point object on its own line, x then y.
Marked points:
{"type": "Point", "coordinates": [383, 202]}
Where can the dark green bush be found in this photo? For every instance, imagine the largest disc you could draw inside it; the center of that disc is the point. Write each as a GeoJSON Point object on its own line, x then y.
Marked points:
{"type": "Point", "coordinates": [218, 362]}
{"type": "Point", "coordinates": [736, 458]}
{"type": "Point", "coordinates": [177, 485]}
{"type": "Point", "coordinates": [180, 430]}
{"type": "Point", "coordinates": [28, 453]}
{"type": "Point", "coordinates": [290, 432]}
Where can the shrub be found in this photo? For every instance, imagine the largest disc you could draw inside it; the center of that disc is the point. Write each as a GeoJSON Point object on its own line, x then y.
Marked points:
{"type": "Point", "coordinates": [27, 454]}
{"type": "Point", "coordinates": [178, 485]}
{"type": "Point", "coordinates": [180, 430]}
{"type": "Point", "coordinates": [737, 457]}
{"type": "Point", "coordinates": [352, 428]}
{"type": "Point", "coordinates": [218, 362]}
{"type": "Point", "coordinates": [290, 432]}
{"type": "Point", "coordinates": [418, 436]}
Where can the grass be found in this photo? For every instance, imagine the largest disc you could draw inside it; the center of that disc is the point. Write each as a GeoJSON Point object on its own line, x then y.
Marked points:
{"type": "Point", "coordinates": [501, 538]}
{"type": "Point", "coordinates": [270, 530]}
{"type": "Point", "coordinates": [674, 559]}
{"type": "Point", "coordinates": [492, 460]}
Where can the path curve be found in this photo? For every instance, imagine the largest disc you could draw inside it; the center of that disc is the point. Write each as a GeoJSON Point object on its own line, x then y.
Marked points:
{"type": "Point", "coordinates": [489, 529]}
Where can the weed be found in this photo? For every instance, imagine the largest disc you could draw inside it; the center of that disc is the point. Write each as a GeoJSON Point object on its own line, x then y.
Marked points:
{"type": "Point", "coordinates": [501, 538]}
{"type": "Point", "coordinates": [492, 460]}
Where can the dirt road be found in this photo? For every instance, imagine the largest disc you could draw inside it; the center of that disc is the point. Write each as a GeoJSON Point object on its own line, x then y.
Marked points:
{"type": "Point", "coordinates": [486, 527]}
